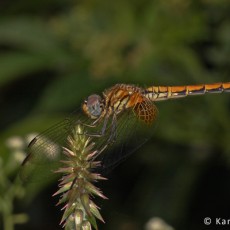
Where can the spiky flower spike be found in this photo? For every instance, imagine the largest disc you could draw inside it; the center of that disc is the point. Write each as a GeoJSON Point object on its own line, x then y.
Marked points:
{"type": "Point", "coordinates": [76, 185]}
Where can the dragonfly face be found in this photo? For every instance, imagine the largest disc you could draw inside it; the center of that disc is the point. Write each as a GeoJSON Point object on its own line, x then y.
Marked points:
{"type": "Point", "coordinates": [93, 106]}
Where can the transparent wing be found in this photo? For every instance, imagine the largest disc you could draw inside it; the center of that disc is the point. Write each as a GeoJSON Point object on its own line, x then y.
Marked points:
{"type": "Point", "coordinates": [123, 135]}
{"type": "Point", "coordinates": [45, 150]}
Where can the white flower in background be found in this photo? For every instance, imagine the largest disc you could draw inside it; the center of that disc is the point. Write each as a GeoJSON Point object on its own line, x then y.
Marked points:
{"type": "Point", "coordinates": [18, 145]}
{"type": "Point", "coordinates": [157, 223]}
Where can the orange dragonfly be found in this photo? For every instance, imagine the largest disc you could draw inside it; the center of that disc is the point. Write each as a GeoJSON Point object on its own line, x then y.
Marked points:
{"type": "Point", "coordinates": [114, 119]}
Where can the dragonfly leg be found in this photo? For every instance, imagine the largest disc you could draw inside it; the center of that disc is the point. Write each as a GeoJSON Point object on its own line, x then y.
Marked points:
{"type": "Point", "coordinates": [93, 125]}
{"type": "Point", "coordinates": [111, 139]}
{"type": "Point", "coordinates": [102, 132]}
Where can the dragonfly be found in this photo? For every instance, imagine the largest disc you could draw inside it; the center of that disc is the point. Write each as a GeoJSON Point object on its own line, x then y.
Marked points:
{"type": "Point", "coordinates": [113, 119]}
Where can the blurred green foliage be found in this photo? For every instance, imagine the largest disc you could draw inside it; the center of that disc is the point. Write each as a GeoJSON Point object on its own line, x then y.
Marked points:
{"type": "Point", "coordinates": [54, 53]}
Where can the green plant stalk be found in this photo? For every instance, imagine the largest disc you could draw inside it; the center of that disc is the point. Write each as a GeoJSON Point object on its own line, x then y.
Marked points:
{"type": "Point", "coordinates": [14, 190]}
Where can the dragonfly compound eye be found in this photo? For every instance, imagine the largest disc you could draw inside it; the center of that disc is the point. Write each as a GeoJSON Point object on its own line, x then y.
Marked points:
{"type": "Point", "coordinates": [92, 106]}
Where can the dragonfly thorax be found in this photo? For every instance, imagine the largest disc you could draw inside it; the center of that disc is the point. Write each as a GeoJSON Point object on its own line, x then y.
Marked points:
{"type": "Point", "coordinates": [93, 106]}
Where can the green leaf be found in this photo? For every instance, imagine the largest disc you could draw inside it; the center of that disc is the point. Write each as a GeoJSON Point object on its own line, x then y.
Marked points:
{"type": "Point", "coordinates": [15, 65]}
{"type": "Point", "coordinates": [32, 34]}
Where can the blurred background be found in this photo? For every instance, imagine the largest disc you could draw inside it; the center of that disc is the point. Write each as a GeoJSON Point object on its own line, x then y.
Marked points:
{"type": "Point", "coordinates": [54, 53]}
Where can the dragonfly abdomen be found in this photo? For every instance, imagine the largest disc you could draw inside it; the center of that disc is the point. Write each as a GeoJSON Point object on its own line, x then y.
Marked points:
{"type": "Point", "coordinates": [158, 93]}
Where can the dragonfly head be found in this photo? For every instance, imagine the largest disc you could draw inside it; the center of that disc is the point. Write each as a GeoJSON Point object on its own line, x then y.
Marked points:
{"type": "Point", "coordinates": [93, 106]}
